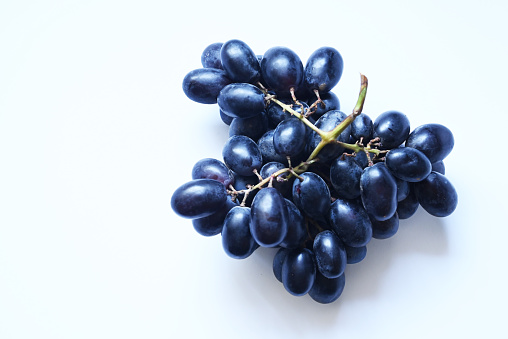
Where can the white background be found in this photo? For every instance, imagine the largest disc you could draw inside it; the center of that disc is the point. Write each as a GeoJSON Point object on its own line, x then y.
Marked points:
{"type": "Point", "coordinates": [96, 134]}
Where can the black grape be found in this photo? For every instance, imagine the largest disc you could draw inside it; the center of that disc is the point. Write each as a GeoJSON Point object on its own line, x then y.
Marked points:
{"type": "Point", "coordinates": [437, 195]}
{"type": "Point", "coordinates": [283, 186]}
{"type": "Point", "coordinates": [203, 85]}
{"type": "Point", "coordinates": [402, 189]}
{"type": "Point", "coordinates": [298, 271]}
{"type": "Point", "coordinates": [241, 183]}
{"type": "Point", "coordinates": [326, 291]}
{"type": "Point", "coordinates": [386, 228]}
{"type": "Point", "coordinates": [355, 254]}
{"type": "Point", "coordinates": [351, 222]}
{"type": "Point", "coordinates": [323, 69]}
{"type": "Point", "coordinates": [278, 260]}
{"type": "Point", "coordinates": [312, 195]}
{"type": "Point", "coordinates": [253, 127]}
{"type": "Point", "coordinates": [362, 127]}
{"type": "Point", "coordinates": [212, 224]}
{"type": "Point", "coordinates": [434, 140]}
{"type": "Point", "coordinates": [407, 207]}
{"type": "Point", "coordinates": [282, 69]}
{"type": "Point", "coordinates": [240, 62]}
{"type": "Point", "coordinates": [236, 238]}
{"type": "Point", "coordinates": [241, 154]}
{"type": "Point", "coordinates": [289, 137]}
{"type": "Point", "coordinates": [326, 123]}
{"type": "Point", "coordinates": [408, 164]}
{"type": "Point", "coordinates": [297, 231]}
{"type": "Point", "coordinates": [199, 198]}
{"type": "Point", "coordinates": [210, 57]}
{"type": "Point", "coordinates": [241, 100]}
{"type": "Point", "coordinates": [276, 114]}
{"type": "Point", "coordinates": [269, 217]}
{"type": "Point", "coordinates": [392, 128]}
{"type": "Point", "coordinates": [345, 176]}
{"type": "Point", "coordinates": [330, 254]}
{"type": "Point", "coordinates": [379, 191]}
{"type": "Point", "coordinates": [267, 149]}
{"type": "Point", "coordinates": [210, 168]}
{"type": "Point", "coordinates": [225, 118]}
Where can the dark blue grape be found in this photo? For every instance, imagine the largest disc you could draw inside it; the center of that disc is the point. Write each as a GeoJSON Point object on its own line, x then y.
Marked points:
{"type": "Point", "coordinates": [241, 183]}
{"type": "Point", "coordinates": [298, 271]}
{"type": "Point", "coordinates": [241, 154]}
{"type": "Point", "coordinates": [198, 198]}
{"type": "Point", "coordinates": [330, 102]}
{"type": "Point", "coordinates": [408, 164]}
{"type": "Point", "coordinates": [283, 186]}
{"type": "Point", "coordinates": [276, 114]}
{"type": "Point", "coordinates": [437, 195]}
{"type": "Point", "coordinates": [345, 176]}
{"type": "Point", "coordinates": [210, 57]}
{"type": "Point", "coordinates": [362, 127]}
{"type": "Point", "coordinates": [225, 118]}
{"type": "Point", "coordinates": [323, 69]}
{"type": "Point", "coordinates": [212, 224]}
{"type": "Point", "coordinates": [267, 149]}
{"type": "Point", "coordinates": [330, 254]}
{"type": "Point", "coordinates": [241, 100]}
{"type": "Point", "coordinates": [407, 207]}
{"type": "Point", "coordinates": [392, 128]}
{"type": "Point", "coordinates": [326, 291]}
{"type": "Point", "coordinates": [351, 222]}
{"type": "Point", "coordinates": [203, 85]}
{"type": "Point", "coordinates": [386, 228]}
{"type": "Point", "coordinates": [253, 127]}
{"type": "Point", "coordinates": [297, 231]}
{"type": "Point", "coordinates": [355, 254]}
{"type": "Point", "coordinates": [362, 160]}
{"type": "Point", "coordinates": [269, 217]}
{"type": "Point", "coordinates": [236, 238]}
{"type": "Point", "coordinates": [379, 191]}
{"type": "Point", "coordinates": [402, 189]}
{"type": "Point", "coordinates": [312, 195]}
{"type": "Point", "coordinates": [240, 62]}
{"type": "Point", "coordinates": [434, 140]}
{"type": "Point", "coordinates": [326, 123]}
{"type": "Point", "coordinates": [282, 69]}
{"type": "Point", "coordinates": [278, 260]}
{"type": "Point", "coordinates": [289, 137]}
{"type": "Point", "coordinates": [439, 167]}
{"type": "Point", "coordinates": [210, 168]}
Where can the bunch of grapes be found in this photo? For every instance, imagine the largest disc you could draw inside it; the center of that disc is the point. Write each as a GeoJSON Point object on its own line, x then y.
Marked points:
{"type": "Point", "coordinates": [300, 175]}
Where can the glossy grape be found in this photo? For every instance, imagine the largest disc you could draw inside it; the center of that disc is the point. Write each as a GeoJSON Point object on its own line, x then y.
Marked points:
{"type": "Point", "coordinates": [241, 154]}
{"type": "Point", "coordinates": [297, 232]}
{"type": "Point", "coordinates": [325, 290]}
{"type": "Point", "coordinates": [282, 69]}
{"type": "Point", "coordinates": [392, 128]}
{"type": "Point", "coordinates": [312, 195]}
{"type": "Point", "coordinates": [279, 182]}
{"type": "Point", "coordinates": [298, 271]}
{"type": "Point", "coordinates": [253, 127]}
{"type": "Point", "coordinates": [351, 222]}
{"type": "Point", "coordinates": [198, 198]}
{"type": "Point", "coordinates": [241, 100]}
{"type": "Point", "coordinates": [323, 69]}
{"type": "Point", "coordinates": [210, 57]}
{"type": "Point", "coordinates": [407, 208]}
{"type": "Point", "coordinates": [355, 254]}
{"type": "Point", "coordinates": [278, 260]}
{"type": "Point", "coordinates": [437, 195]}
{"type": "Point", "coordinates": [439, 167]}
{"type": "Point", "coordinates": [212, 224]}
{"type": "Point", "coordinates": [330, 254]}
{"type": "Point", "coordinates": [385, 229]}
{"type": "Point", "coordinates": [210, 168]}
{"type": "Point", "coordinates": [378, 191]}
{"type": "Point", "coordinates": [269, 217]}
{"type": "Point", "coordinates": [267, 149]}
{"type": "Point", "coordinates": [408, 164]}
{"type": "Point", "coordinates": [236, 238]}
{"type": "Point", "coordinates": [240, 62]}
{"type": "Point", "coordinates": [434, 140]}
{"type": "Point", "coordinates": [289, 137]}
{"type": "Point", "coordinates": [362, 128]}
{"type": "Point", "coordinates": [330, 102]}
{"type": "Point", "coordinates": [345, 176]}
{"type": "Point", "coordinates": [203, 85]}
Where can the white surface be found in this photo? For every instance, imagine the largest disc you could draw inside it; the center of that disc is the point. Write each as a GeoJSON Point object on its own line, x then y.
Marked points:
{"type": "Point", "coordinates": [96, 133]}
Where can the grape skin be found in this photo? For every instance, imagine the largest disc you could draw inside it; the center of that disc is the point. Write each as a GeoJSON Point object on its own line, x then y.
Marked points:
{"type": "Point", "coordinates": [269, 217]}
{"type": "Point", "coordinates": [210, 168]}
{"type": "Point", "coordinates": [325, 290]}
{"type": "Point", "coordinates": [323, 69]}
{"type": "Point", "coordinates": [240, 62]}
{"type": "Point", "coordinates": [434, 140]}
{"type": "Point", "coordinates": [203, 85]}
{"type": "Point", "coordinates": [210, 57]}
{"type": "Point", "coordinates": [330, 254]}
{"type": "Point", "coordinates": [378, 191]}
{"type": "Point", "coordinates": [241, 100]}
{"type": "Point", "coordinates": [198, 198]}
{"type": "Point", "coordinates": [236, 238]}
{"type": "Point", "coordinates": [298, 271]}
{"type": "Point", "coordinates": [392, 128]}
{"type": "Point", "coordinates": [241, 154]}
{"type": "Point", "coordinates": [281, 69]}
{"type": "Point", "coordinates": [437, 195]}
